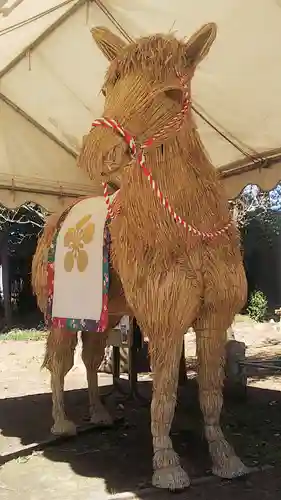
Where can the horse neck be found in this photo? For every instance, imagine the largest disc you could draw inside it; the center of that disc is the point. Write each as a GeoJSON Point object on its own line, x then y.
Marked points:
{"type": "Point", "coordinates": [183, 162]}
{"type": "Point", "coordinates": [185, 175]}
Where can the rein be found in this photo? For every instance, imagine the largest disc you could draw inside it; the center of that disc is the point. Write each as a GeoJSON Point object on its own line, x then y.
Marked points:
{"type": "Point", "coordinates": [137, 153]}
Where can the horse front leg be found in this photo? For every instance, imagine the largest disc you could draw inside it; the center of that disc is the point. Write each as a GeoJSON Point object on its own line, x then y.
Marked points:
{"type": "Point", "coordinates": [210, 339]}
{"type": "Point", "coordinates": [165, 322]}
{"type": "Point", "coordinates": [165, 361]}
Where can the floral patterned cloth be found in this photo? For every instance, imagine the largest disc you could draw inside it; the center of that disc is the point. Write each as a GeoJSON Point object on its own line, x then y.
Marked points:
{"type": "Point", "coordinates": [76, 324]}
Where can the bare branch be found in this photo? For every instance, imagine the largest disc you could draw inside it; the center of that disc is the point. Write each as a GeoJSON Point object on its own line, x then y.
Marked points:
{"type": "Point", "coordinates": [250, 200]}
{"type": "Point", "coordinates": [21, 238]}
{"type": "Point", "coordinates": [37, 212]}
{"type": "Point", "coordinates": [20, 221]}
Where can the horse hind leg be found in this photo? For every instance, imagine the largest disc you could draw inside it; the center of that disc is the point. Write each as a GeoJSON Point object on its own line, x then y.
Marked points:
{"type": "Point", "coordinates": [59, 359]}
{"type": "Point", "coordinates": [92, 355]}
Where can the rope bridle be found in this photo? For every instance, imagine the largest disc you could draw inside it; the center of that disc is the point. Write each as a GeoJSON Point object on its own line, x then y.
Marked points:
{"type": "Point", "coordinates": [138, 154]}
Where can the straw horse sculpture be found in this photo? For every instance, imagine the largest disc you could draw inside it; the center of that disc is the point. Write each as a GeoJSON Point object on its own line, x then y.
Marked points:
{"type": "Point", "coordinates": [172, 243]}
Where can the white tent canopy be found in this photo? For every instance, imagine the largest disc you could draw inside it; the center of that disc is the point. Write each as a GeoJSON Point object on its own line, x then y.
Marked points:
{"type": "Point", "coordinates": [50, 89]}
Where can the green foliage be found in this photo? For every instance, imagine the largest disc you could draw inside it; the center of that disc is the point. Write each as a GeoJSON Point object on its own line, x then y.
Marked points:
{"type": "Point", "coordinates": [261, 228]}
{"type": "Point", "coordinates": [257, 215]}
{"type": "Point", "coordinates": [24, 335]}
{"type": "Point", "coordinates": [257, 307]}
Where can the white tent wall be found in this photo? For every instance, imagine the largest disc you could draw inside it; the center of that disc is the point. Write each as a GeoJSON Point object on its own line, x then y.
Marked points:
{"type": "Point", "coordinates": [61, 80]}
{"type": "Point", "coordinates": [237, 87]}
{"type": "Point", "coordinates": [14, 42]}
{"type": "Point", "coordinates": [35, 168]}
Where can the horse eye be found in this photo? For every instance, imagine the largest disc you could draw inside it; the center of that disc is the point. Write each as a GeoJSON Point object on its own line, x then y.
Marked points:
{"type": "Point", "coordinates": [175, 94]}
{"type": "Point", "coordinates": [104, 90]}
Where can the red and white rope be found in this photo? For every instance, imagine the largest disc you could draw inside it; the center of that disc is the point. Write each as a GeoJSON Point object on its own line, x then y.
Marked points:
{"type": "Point", "coordinates": [114, 208]}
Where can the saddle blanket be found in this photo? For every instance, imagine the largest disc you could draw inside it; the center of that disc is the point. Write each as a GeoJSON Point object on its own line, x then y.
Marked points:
{"type": "Point", "coordinates": [78, 268]}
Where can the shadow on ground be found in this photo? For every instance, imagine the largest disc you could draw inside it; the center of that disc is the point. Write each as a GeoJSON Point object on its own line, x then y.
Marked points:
{"type": "Point", "coordinates": [265, 370]}
{"type": "Point", "coordinates": [122, 456]}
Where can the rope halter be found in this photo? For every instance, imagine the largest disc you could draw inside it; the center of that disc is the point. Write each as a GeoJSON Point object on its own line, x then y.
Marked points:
{"type": "Point", "coordinates": [138, 154]}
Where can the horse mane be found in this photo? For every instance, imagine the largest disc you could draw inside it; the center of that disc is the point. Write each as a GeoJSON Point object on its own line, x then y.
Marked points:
{"type": "Point", "coordinates": [166, 52]}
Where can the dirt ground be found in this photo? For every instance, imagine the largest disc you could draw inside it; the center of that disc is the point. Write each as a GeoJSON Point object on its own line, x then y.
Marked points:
{"type": "Point", "coordinates": [108, 462]}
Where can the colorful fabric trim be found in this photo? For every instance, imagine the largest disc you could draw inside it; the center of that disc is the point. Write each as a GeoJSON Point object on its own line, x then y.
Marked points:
{"type": "Point", "coordinates": [76, 324]}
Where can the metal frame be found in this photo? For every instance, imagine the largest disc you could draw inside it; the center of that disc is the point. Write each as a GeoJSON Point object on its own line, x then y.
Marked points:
{"type": "Point", "coordinates": [264, 365]}
{"type": "Point", "coordinates": [133, 393]}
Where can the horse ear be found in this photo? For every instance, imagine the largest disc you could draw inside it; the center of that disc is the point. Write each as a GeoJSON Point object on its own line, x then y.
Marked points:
{"type": "Point", "coordinates": [200, 43]}
{"type": "Point", "coordinates": [109, 43]}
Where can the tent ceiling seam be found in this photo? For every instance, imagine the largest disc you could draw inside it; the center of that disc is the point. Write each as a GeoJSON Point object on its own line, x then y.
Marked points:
{"type": "Point", "coordinates": [271, 158]}
{"type": "Point", "coordinates": [37, 125]}
{"type": "Point", "coordinates": [42, 37]}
